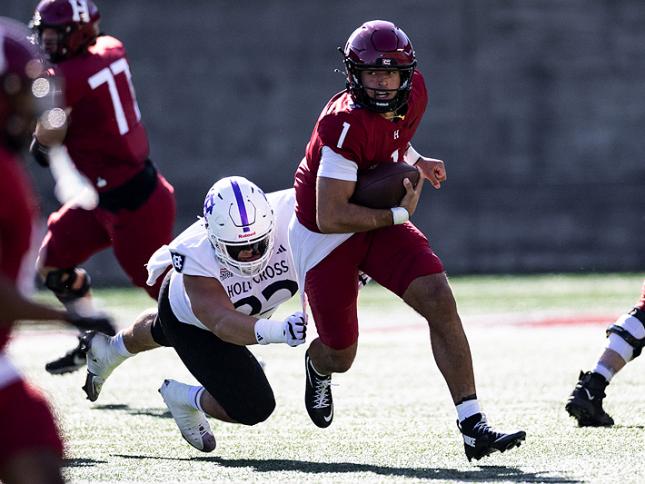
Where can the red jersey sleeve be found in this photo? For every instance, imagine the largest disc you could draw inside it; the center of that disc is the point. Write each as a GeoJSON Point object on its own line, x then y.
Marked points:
{"type": "Point", "coordinates": [344, 134]}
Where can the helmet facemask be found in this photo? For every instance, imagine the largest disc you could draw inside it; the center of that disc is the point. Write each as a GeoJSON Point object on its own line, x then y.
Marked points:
{"type": "Point", "coordinates": [359, 91]}
{"type": "Point", "coordinates": [239, 219]}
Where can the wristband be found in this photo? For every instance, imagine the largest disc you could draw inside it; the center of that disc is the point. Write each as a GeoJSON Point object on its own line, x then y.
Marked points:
{"type": "Point", "coordinates": [400, 215]}
{"type": "Point", "coordinates": [267, 331]}
{"type": "Point", "coordinates": [411, 156]}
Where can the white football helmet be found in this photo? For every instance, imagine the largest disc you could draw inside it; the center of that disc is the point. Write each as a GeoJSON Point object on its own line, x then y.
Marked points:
{"type": "Point", "coordinates": [238, 218]}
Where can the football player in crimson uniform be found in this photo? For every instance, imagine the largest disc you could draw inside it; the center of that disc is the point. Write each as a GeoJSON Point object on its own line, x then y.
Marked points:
{"type": "Point", "coordinates": [30, 446]}
{"type": "Point", "coordinates": [372, 122]}
{"type": "Point", "coordinates": [626, 339]}
{"type": "Point", "coordinates": [232, 269]}
{"type": "Point", "coordinates": [108, 144]}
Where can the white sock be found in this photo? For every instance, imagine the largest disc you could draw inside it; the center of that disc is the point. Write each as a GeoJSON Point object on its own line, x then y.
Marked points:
{"type": "Point", "coordinates": [187, 394]}
{"type": "Point", "coordinates": [604, 371]}
{"type": "Point", "coordinates": [118, 346]}
{"type": "Point", "coordinates": [467, 409]}
{"type": "Point", "coordinates": [196, 394]}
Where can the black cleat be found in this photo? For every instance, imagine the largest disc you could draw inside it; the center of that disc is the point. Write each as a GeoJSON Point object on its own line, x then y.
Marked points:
{"type": "Point", "coordinates": [318, 400]}
{"type": "Point", "coordinates": [481, 440]}
{"type": "Point", "coordinates": [585, 402]}
{"type": "Point", "coordinates": [73, 360]}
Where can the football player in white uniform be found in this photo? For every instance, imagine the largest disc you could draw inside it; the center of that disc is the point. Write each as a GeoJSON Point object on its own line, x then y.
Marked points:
{"type": "Point", "coordinates": [231, 270]}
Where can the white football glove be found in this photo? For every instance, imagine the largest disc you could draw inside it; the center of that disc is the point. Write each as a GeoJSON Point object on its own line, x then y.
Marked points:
{"type": "Point", "coordinates": [292, 330]}
{"type": "Point", "coordinates": [295, 328]}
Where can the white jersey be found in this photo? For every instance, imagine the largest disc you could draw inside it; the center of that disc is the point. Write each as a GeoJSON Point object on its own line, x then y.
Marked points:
{"type": "Point", "coordinates": [191, 253]}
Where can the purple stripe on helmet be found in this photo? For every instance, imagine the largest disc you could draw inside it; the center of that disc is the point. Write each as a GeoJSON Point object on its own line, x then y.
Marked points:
{"type": "Point", "coordinates": [241, 207]}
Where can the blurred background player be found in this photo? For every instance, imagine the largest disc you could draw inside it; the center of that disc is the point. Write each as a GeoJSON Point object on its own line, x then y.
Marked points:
{"type": "Point", "coordinates": [626, 340]}
{"type": "Point", "coordinates": [109, 145]}
{"type": "Point", "coordinates": [232, 269]}
{"type": "Point", "coordinates": [372, 122]}
{"type": "Point", "coordinates": [30, 446]}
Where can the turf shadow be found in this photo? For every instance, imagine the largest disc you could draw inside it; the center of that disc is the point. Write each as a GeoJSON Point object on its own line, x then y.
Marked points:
{"type": "Point", "coordinates": [82, 462]}
{"type": "Point", "coordinates": [478, 473]}
{"type": "Point", "coordinates": [151, 412]}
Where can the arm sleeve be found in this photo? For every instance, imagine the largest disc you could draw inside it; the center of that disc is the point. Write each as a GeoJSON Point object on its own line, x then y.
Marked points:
{"type": "Point", "coordinates": [333, 165]}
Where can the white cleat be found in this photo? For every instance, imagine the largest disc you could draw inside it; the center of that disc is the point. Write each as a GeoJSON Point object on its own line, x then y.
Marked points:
{"type": "Point", "coordinates": [192, 423]}
{"type": "Point", "coordinates": [101, 361]}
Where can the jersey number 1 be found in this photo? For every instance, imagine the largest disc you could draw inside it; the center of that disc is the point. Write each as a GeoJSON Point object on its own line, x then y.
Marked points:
{"type": "Point", "coordinates": [343, 135]}
{"type": "Point", "coordinates": [106, 76]}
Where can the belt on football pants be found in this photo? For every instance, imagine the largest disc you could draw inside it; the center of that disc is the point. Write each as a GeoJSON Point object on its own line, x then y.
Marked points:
{"type": "Point", "coordinates": [133, 193]}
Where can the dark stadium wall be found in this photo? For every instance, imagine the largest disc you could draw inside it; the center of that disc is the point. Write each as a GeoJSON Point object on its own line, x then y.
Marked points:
{"type": "Point", "coordinates": [538, 109]}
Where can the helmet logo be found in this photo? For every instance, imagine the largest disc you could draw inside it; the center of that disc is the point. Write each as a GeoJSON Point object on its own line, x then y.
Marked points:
{"type": "Point", "coordinates": [209, 203]}
{"type": "Point", "coordinates": [387, 62]}
{"type": "Point", "coordinates": [244, 236]}
{"type": "Point", "coordinates": [80, 11]}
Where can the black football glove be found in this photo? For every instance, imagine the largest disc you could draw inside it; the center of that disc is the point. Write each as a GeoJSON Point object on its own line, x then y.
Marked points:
{"type": "Point", "coordinates": [102, 324]}
{"type": "Point", "coordinates": [39, 152]}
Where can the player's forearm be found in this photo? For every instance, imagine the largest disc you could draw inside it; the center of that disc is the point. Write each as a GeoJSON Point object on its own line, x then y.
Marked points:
{"type": "Point", "coordinates": [352, 218]}
{"type": "Point", "coordinates": [228, 325]}
{"type": "Point", "coordinates": [50, 136]}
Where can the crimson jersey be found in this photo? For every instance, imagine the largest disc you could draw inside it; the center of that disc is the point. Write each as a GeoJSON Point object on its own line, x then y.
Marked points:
{"type": "Point", "coordinates": [105, 136]}
{"type": "Point", "coordinates": [17, 209]}
{"type": "Point", "coordinates": [359, 135]}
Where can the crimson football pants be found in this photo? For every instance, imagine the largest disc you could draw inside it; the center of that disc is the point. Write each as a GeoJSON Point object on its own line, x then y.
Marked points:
{"type": "Point", "coordinates": [74, 235]}
{"type": "Point", "coordinates": [393, 256]}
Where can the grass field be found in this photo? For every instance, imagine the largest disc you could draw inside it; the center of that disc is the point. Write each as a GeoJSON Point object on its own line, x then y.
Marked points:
{"type": "Point", "coordinates": [394, 420]}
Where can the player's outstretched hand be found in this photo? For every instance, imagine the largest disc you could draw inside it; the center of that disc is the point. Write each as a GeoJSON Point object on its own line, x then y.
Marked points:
{"type": "Point", "coordinates": [102, 324]}
{"type": "Point", "coordinates": [295, 328]}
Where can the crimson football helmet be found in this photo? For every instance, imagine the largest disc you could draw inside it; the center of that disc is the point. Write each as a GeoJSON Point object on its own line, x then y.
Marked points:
{"type": "Point", "coordinates": [75, 21]}
{"type": "Point", "coordinates": [23, 85]}
{"type": "Point", "coordinates": [379, 45]}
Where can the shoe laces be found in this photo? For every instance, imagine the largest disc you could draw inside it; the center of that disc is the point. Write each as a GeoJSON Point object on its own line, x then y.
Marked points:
{"type": "Point", "coordinates": [321, 391]}
{"type": "Point", "coordinates": [482, 429]}
{"type": "Point", "coordinates": [585, 389]}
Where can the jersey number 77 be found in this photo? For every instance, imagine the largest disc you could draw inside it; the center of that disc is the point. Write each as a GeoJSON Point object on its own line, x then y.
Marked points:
{"type": "Point", "coordinates": [107, 76]}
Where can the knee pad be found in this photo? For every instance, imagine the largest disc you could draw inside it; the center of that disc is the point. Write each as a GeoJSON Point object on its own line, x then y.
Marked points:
{"type": "Point", "coordinates": [61, 282]}
{"type": "Point", "coordinates": [627, 335]}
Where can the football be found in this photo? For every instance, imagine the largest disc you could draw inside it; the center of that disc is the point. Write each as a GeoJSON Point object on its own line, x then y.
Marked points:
{"type": "Point", "coordinates": [382, 186]}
